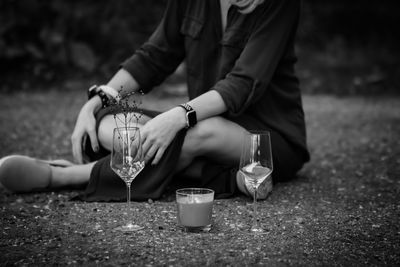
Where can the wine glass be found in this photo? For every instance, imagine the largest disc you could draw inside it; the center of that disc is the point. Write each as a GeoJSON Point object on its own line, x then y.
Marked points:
{"type": "Point", "coordinates": [127, 162]}
{"type": "Point", "coordinates": [256, 165]}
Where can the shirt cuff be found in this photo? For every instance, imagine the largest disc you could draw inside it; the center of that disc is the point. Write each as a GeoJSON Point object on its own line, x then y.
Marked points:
{"type": "Point", "coordinates": [237, 93]}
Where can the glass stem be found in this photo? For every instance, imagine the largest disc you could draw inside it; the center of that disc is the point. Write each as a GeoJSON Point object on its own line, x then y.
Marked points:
{"type": "Point", "coordinates": [255, 222]}
{"type": "Point", "coordinates": [128, 201]}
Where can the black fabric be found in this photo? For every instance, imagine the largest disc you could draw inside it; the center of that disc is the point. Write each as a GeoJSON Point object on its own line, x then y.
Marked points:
{"type": "Point", "coordinates": [251, 64]}
{"type": "Point", "coordinates": [153, 181]}
{"type": "Point", "coordinates": [105, 185]}
{"type": "Point", "coordinates": [218, 177]}
{"type": "Point", "coordinates": [88, 154]}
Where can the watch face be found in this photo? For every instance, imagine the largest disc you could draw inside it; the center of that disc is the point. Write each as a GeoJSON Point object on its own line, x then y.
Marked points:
{"type": "Point", "coordinates": [191, 118]}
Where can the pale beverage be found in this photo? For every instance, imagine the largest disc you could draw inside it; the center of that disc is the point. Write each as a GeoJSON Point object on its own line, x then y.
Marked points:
{"type": "Point", "coordinates": [255, 173]}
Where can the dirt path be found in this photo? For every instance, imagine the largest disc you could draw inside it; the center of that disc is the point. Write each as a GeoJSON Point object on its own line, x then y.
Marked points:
{"type": "Point", "coordinates": [343, 209]}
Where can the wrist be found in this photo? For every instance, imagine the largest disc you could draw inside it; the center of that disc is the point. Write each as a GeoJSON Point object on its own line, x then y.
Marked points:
{"type": "Point", "coordinates": [179, 116]}
{"type": "Point", "coordinates": [109, 91]}
{"type": "Point", "coordinates": [105, 92]}
{"type": "Point", "coordinates": [190, 114]}
{"type": "Point", "coordinates": [94, 104]}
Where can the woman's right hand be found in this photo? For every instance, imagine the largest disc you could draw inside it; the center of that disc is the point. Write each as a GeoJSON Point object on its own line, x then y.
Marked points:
{"type": "Point", "coordinates": [85, 126]}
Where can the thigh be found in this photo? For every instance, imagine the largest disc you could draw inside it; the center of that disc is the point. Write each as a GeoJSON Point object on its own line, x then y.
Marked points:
{"type": "Point", "coordinates": [220, 140]}
{"type": "Point", "coordinates": [215, 138]}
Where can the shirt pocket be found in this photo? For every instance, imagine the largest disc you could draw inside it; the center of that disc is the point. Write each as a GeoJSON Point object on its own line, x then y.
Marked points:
{"type": "Point", "coordinates": [191, 27]}
{"type": "Point", "coordinates": [235, 37]}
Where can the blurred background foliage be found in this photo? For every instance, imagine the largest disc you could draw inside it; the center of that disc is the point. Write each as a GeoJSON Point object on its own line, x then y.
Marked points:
{"type": "Point", "coordinates": [344, 47]}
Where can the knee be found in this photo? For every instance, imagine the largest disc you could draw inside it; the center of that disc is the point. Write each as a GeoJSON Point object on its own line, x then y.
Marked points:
{"type": "Point", "coordinates": [200, 138]}
{"type": "Point", "coordinates": [109, 122]}
{"type": "Point", "coordinates": [104, 132]}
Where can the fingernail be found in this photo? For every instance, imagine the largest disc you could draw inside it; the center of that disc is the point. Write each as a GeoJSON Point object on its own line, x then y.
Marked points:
{"type": "Point", "coordinates": [96, 149]}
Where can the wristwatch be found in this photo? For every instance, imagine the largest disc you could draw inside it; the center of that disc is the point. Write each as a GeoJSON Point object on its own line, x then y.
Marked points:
{"type": "Point", "coordinates": [92, 91]}
{"type": "Point", "coordinates": [104, 92]}
{"type": "Point", "coordinates": [191, 118]}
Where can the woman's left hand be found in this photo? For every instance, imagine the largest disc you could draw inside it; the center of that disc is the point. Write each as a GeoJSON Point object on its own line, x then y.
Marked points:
{"type": "Point", "coordinates": [159, 132]}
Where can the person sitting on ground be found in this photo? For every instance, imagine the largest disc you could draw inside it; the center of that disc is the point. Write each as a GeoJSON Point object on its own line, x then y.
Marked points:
{"type": "Point", "coordinates": [240, 58]}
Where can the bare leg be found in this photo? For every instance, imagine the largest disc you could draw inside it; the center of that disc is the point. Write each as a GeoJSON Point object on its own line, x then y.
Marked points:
{"type": "Point", "coordinates": [79, 175]}
{"type": "Point", "coordinates": [215, 138]}
{"type": "Point", "coordinates": [25, 174]}
{"type": "Point", "coordinates": [220, 140]}
{"type": "Point", "coordinates": [74, 176]}
{"type": "Point", "coordinates": [108, 123]}
{"type": "Point", "coordinates": [16, 174]}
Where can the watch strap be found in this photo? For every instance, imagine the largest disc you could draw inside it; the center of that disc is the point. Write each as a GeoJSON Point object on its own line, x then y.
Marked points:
{"type": "Point", "coordinates": [103, 92]}
{"type": "Point", "coordinates": [109, 90]}
{"type": "Point", "coordinates": [105, 101]}
{"type": "Point", "coordinates": [186, 106]}
{"type": "Point", "coordinates": [92, 91]}
{"type": "Point", "coordinates": [191, 118]}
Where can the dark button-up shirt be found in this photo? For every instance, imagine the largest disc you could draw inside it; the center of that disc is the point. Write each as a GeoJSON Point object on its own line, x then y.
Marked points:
{"type": "Point", "coordinates": [250, 64]}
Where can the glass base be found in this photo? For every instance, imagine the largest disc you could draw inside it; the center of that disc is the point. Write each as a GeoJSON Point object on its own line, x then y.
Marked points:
{"type": "Point", "coordinates": [129, 228]}
{"type": "Point", "coordinates": [196, 229]}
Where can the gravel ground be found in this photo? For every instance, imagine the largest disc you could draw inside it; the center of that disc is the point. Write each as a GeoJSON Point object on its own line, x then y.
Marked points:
{"type": "Point", "coordinates": [342, 210]}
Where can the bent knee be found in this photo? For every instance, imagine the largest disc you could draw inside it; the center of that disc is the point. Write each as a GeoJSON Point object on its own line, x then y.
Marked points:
{"type": "Point", "coordinates": [104, 131]}
{"type": "Point", "coordinates": [205, 137]}
{"type": "Point", "coordinates": [109, 122]}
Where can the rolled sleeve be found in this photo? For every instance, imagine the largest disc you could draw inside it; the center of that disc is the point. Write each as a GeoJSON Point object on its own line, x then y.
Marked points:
{"type": "Point", "coordinates": [234, 92]}
{"type": "Point", "coordinates": [252, 72]}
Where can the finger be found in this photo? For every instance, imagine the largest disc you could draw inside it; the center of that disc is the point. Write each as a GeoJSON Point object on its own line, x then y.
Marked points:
{"type": "Point", "coordinates": [146, 145]}
{"type": "Point", "coordinates": [93, 140]}
{"type": "Point", "coordinates": [150, 154]}
{"type": "Point", "coordinates": [77, 152]}
{"type": "Point", "coordinates": [158, 156]}
{"type": "Point", "coordinates": [84, 138]}
{"type": "Point", "coordinates": [77, 148]}
{"type": "Point", "coordinates": [82, 147]}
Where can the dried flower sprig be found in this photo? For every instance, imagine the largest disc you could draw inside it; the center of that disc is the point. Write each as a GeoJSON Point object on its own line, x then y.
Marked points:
{"type": "Point", "coordinates": [127, 105]}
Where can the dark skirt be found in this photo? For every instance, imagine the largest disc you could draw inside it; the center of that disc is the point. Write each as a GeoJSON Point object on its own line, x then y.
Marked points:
{"type": "Point", "coordinates": [154, 181]}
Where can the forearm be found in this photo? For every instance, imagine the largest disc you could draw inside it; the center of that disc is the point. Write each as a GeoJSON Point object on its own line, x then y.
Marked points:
{"type": "Point", "coordinates": [159, 132]}
{"type": "Point", "coordinates": [208, 105]}
{"type": "Point", "coordinates": [123, 82]}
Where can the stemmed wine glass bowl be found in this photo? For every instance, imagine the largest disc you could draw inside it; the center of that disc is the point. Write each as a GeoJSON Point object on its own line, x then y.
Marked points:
{"type": "Point", "coordinates": [127, 161]}
{"type": "Point", "coordinates": [256, 165]}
